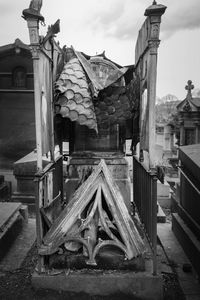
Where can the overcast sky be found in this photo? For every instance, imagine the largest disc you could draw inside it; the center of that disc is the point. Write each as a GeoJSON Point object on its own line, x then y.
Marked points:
{"type": "Point", "coordinates": [92, 26]}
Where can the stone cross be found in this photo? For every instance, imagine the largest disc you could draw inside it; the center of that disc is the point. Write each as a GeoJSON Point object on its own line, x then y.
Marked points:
{"type": "Point", "coordinates": [189, 87]}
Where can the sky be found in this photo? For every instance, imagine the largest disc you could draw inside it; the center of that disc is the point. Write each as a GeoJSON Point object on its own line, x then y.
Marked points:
{"type": "Point", "coordinates": [93, 26]}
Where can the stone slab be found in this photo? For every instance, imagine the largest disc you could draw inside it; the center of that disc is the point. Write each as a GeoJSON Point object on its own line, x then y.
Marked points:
{"type": "Point", "coordinates": [139, 285]}
{"type": "Point", "coordinates": [20, 247]}
{"type": "Point", "coordinates": [7, 211]}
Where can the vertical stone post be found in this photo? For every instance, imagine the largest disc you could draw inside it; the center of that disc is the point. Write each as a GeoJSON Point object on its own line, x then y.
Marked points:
{"type": "Point", "coordinates": [33, 17]}
{"type": "Point", "coordinates": [172, 140]}
{"type": "Point", "coordinates": [197, 132]}
{"type": "Point", "coordinates": [182, 133]}
{"type": "Point", "coordinates": [33, 26]}
{"type": "Point", "coordinates": [154, 13]}
{"type": "Point", "coordinates": [167, 136]}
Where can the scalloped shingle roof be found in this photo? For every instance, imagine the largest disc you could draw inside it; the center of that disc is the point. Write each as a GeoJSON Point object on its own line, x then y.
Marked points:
{"type": "Point", "coordinates": [76, 101]}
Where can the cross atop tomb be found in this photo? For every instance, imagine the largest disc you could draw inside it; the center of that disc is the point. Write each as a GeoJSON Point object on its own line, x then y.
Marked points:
{"type": "Point", "coordinates": [189, 87]}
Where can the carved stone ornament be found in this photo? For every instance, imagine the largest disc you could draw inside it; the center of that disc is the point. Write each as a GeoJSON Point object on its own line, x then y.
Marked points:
{"type": "Point", "coordinates": [33, 36]}
{"type": "Point", "coordinates": [33, 12]}
{"type": "Point", "coordinates": [189, 87]}
{"type": "Point", "coordinates": [35, 51]}
{"type": "Point", "coordinates": [153, 46]}
{"type": "Point", "coordinates": [95, 217]}
{"type": "Point", "coordinates": [187, 106]}
{"type": "Point", "coordinates": [155, 31]}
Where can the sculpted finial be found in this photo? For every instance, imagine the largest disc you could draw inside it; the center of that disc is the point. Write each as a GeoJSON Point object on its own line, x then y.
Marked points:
{"type": "Point", "coordinates": [33, 11]}
{"type": "Point", "coordinates": [189, 87]}
{"type": "Point", "coordinates": [36, 5]}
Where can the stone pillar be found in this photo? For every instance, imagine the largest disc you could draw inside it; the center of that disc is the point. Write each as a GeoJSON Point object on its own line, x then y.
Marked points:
{"type": "Point", "coordinates": [197, 129]}
{"type": "Point", "coordinates": [172, 140]}
{"type": "Point", "coordinates": [151, 98]}
{"type": "Point", "coordinates": [182, 133]}
{"type": "Point", "coordinates": [167, 138]}
{"type": "Point", "coordinates": [154, 13]}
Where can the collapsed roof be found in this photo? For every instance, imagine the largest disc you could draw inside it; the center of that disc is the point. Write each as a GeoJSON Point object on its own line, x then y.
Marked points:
{"type": "Point", "coordinates": [83, 92]}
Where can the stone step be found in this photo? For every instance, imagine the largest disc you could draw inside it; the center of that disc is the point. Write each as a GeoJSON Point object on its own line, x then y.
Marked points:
{"type": "Point", "coordinates": [188, 241]}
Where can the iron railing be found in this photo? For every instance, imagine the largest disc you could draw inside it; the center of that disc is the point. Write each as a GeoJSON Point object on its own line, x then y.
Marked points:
{"type": "Point", "coordinates": [145, 201]}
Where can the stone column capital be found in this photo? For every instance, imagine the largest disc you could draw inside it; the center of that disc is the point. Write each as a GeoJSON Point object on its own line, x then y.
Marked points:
{"type": "Point", "coordinates": [153, 46]}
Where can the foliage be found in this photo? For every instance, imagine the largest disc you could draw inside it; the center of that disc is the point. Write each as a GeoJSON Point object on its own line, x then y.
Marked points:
{"type": "Point", "coordinates": [166, 111]}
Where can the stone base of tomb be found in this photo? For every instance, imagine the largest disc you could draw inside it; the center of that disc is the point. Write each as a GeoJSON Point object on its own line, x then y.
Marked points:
{"type": "Point", "coordinates": [109, 258]}
{"type": "Point", "coordinates": [137, 285]}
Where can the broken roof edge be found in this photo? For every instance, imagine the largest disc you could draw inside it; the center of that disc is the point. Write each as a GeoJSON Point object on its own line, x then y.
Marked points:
{"type": "Point", "coordinates": [101, 55]}
{"type": "Point", "coordinates": [96, 83]}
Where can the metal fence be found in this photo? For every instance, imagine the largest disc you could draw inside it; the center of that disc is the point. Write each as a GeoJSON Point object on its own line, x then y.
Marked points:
{"type": "Point", "coordinates": [145, 200]}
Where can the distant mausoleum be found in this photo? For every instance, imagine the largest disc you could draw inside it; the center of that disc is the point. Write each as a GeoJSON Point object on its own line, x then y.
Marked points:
{"type": "Point", "coordinates": [17, 117]}
{"type": "Point", "coordinates": [189, 118]}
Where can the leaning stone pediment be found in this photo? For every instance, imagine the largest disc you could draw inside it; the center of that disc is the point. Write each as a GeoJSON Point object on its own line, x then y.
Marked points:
{"type": "Point", "coordinates": [96, 206]}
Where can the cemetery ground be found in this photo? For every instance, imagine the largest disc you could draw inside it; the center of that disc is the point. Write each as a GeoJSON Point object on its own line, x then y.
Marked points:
{"type": "Point", "coordinates": [16, 283]}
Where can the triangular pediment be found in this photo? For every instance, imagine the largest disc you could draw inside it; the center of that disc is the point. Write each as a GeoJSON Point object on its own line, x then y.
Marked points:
{"type": "Point", "coordinates": [186, 105]}
{"type": "Point", "coordinates": [96, 205]}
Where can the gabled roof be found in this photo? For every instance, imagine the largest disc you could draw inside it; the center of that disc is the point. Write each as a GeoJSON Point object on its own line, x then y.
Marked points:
{"type": "Point", "coordinates": [189, 103]}
{"type": "Point", "coordinates": [195, 102]}
{"type": "Point", "coordinates": [75, 103]}
{"type": "Point", "coordinates": [99, 185]}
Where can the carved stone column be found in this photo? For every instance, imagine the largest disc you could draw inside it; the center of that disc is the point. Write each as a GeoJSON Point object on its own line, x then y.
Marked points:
{"type": "Point", "coordinates": [154, 13]}
{"type": "Point", "coordinates": [33, 17]}
{"type": "Point", "coordinates": [33, 26]}
{"type": "Point", "coordinates": [197, 130]}
{"type": "Point", "coordinates": [182, 133]}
